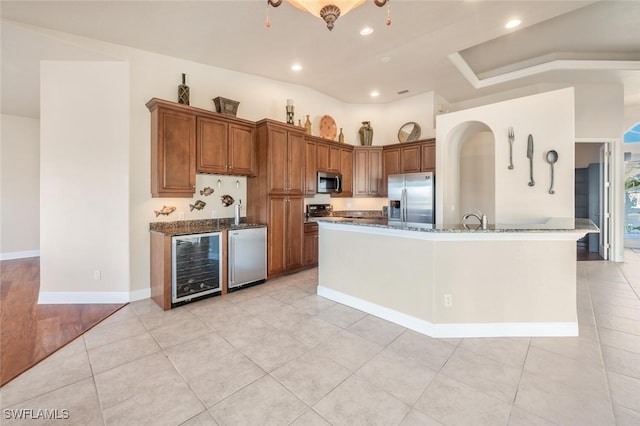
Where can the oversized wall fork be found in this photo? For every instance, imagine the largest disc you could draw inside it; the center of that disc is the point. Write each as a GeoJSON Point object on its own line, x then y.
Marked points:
{"type": "Point", "coordinates": [511, 138]}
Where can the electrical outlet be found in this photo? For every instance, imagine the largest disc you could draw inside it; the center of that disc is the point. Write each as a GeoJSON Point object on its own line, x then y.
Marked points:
{"type": "Point", "coordinates": [448, 300]}
{"type": "Point", "coordinates": [97, 275]}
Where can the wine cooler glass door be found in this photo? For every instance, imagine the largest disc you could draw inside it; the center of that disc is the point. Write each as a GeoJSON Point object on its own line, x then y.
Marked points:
{"type": "Point", "coordinates": [196, 266]}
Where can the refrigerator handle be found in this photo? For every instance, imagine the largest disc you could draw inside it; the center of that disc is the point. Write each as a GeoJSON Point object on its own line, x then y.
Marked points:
{"type": "Point", "coordinates": [403, 205]}
{"type": "Point", "coordinates": [232, 259]}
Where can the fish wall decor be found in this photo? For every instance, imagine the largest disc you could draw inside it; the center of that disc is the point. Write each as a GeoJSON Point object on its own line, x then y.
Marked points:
{"type": "Point", "coordinates": [198, 205]}
{"type": "Point", "coordinates": [166, 210]}
{"type": "Point", "coordinates": [227, 200]}
{"type": "Point", "coordinates": [207, 191]}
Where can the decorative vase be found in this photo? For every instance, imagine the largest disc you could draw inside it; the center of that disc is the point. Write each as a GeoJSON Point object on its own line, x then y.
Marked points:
{"type": "Point", "coordinates": [307, 126]}
{"type": "Point", "coordinates": [290, 111]}
{"type": "Point", "coordinates": [300, 123]}
{"type": "Point", "coordinates": [341, 136]}
{"type": "Point", "coordinates": [366, 133]}
{"type": "Point", "coordinates": [183, 91]}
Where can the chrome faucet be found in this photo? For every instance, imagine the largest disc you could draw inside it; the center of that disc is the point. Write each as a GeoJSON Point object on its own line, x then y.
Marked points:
{"type": "Point", "coordinates": [482, 218]}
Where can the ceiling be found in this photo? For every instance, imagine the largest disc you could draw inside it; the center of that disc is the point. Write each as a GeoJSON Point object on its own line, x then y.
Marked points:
{"type": "Point", "coordinates": [459, 49]}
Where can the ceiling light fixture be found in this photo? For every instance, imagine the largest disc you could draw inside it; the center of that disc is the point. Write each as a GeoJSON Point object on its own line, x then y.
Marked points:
{"type": "Point", "coordinates": [328, 10]}
{"type": "Point", "coordinates": [296, 67]}
{"type": "Point", "coordinates": [375, 94]}
{"type": "Point", "coordinates": [366, 31]}
{"type": "Point", "coordinates": [513, 23]}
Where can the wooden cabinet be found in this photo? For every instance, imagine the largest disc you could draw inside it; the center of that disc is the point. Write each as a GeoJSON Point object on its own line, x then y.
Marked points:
{"type": "Point", "coordinates": [224, 147]}
{"type": "Point", "coordinates": [390, 165]}
{"type": "Point", "coordinates": [310, 176]}
{"type": "Point", "coordinates": [367, 171]}
{"type": "Point", "coordinates": [275, 194]}
{"type": "Point", "coordinates": [310, 244]}
{"type": "Point", "coordinates": [327, 157]}
{"type": "Point", "coordinates": [285, 234]}
{"type": "Point", "coordinates": [428, 157]}
{"type": "Point", "coordinates": [346, 170]}
{"type": "Point", "coordinates": [286, 159]}
{"type": "Point", "coordinates": [410, 159]}
{"type": "Point", "coordinates": [173, 150]}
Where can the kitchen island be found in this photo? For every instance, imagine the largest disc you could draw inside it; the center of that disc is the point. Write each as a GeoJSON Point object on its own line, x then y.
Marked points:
{"type": "Point", "coordinates": [455, 281]}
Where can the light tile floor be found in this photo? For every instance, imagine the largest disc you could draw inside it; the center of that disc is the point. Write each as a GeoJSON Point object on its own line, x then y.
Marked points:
{"type": "Point", "coordinates": [278, 354]}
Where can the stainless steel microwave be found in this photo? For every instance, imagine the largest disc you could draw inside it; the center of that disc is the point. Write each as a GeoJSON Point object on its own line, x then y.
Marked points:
{"type": "Point", "coordinates": [329, 183]}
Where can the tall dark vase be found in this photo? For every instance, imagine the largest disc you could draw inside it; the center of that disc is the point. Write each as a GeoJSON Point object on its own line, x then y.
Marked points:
{"type": "Point", "coordinates": [366, 133]}
{"type": "Point", "coordinates": [183, 91]}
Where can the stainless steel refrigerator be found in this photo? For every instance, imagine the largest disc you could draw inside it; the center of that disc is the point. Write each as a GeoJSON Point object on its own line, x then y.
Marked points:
{"type": "Point", "coordinates": [411, 199]}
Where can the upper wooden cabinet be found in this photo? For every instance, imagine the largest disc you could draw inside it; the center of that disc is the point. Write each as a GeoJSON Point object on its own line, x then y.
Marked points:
{"type": "Point", "coordinates": [367, 171]}
{"type": "Point", "coordinates": [225, 147]}
{"type": "Point", "coordinates": [428, 157]}
{"type": "Point", "coordinates": [310, 170]}
{"type": "Point", "coordinates": [413, 157]}
{"type": "Point", "coordinates": [173, 150]}
{"type": "Point", "coordinates": [346, 170]}
{"type": "Point", "coordinates": [323, 155]}
{"type": "Point", "coordinates": [285, 154]}
{"type": "Point", "coordinates": [327, 157]}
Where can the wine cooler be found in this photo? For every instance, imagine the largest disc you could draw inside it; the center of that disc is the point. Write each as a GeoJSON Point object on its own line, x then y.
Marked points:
{"type": "Point", "coordinates": [196, 266]}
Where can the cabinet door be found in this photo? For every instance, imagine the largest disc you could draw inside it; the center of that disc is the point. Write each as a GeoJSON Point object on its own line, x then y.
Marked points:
{"type": "Point", "coordinates": [241, 150]}
{"type": "Point", "coordinates": [277, 161]}
{"type": "Point", "coordinates": [361, 172]}
{"type": "Point", "coordinates": [310, 244]}
{"type": "Point", "coordinates": [294, 226]}
{"type": "Point", "coordinates": [346, 169]}
{"type": "Point", "coordinates": [428, 157]}
{"type": "Point", "coordinates": [322, 157]}
{"type": "Point", "coordinates": [410, 159]}
{"type": "Point", "coordinates": [310, 179]}
{"type": "Point", "coordinates": [295, 164]}
{"type": "Point", "coordinates": [374, 171]}
{"type": "Point", "coordinates": [390, 165]}
{"type": "Point", "coordinates": [212, 146]}
{"type": "Point", "coordinates": [335, 159]}
{"type": "Point", "coordinates": [276, 236]}
{"type": "Point", "coordinates": [173, 159]}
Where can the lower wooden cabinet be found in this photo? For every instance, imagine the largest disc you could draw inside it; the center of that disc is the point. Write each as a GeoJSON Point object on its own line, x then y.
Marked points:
{"type": "Point", "coordinates": [310, 244]}
{"type": "Point", "coordinates": [285, 234]}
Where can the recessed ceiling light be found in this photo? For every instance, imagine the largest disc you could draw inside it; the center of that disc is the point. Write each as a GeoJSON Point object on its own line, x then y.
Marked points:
{"type": "Point", "coordinates": [385, 59]}
{"type": "Point", "coordinates": [513, 23]}
{"type": "Point", "coordinates": [366, 31]}
{"type": "Point", "coordinates": [296, 67]}
{"type": "Point", "coordinates": [375, 93]}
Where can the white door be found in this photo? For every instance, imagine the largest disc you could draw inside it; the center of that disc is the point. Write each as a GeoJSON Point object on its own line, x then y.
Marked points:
{"type": "Point", "coordinates": [605, 190]}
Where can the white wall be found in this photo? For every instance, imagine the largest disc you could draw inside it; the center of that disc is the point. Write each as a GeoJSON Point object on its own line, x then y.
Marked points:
{"type": "Point", "coordinates": [477, 175]}
{"type": "Point", "coordinates": [20, 188]}
{"type": "Point", "coordinates": [84, 188]}
{"type": "Point", "coordinates": [549, 117]}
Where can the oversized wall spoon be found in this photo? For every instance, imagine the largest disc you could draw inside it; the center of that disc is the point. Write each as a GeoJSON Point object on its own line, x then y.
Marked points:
{"type": "Point", "coordinates": [552, 157]}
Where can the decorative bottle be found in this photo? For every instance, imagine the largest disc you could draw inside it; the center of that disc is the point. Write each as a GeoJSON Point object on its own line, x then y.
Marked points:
{"type": "Point", "coordinates": [341, 136]}
{"type": "Point", "coordinates": [307, 125]}
{"type": "Point", "coordinates": [366, 133]}
{"type": "Point", "coordinates": [183, 91]}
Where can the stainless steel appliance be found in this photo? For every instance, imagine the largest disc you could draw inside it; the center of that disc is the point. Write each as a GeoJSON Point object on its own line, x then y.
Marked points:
{"type": "Point", "coordinates": [196, 267]}
{"type": "Point", "coordinates": [319, 210]}
{"type": "Point", "coordinates": [247, 257]}
{"type": "Point", "coordinates": [329, 183]}
{"type": "Point", "coordinates": [411, 199]}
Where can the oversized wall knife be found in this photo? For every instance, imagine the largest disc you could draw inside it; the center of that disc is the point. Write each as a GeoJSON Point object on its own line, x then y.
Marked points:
{"type": "Point", "coordinates": [530, 157]}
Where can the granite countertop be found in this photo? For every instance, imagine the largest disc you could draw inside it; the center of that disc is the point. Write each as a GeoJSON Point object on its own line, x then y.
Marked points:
{"type": "Point", "coordinates": [202, 226]}
{"type": "Point", "coordinates": [552, 225]}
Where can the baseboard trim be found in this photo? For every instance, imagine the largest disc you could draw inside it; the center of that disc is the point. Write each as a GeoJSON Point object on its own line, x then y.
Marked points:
{"type": "Point", "coordinates": [82, 297]}
{"type": "Point", "coordinates": [19, 254]}
{"type": "Point", "coordinates": [524, 329]}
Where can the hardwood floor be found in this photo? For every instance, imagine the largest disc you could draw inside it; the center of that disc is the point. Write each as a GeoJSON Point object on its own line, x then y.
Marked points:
{"type": "Point", "coordinates": [30, 332]}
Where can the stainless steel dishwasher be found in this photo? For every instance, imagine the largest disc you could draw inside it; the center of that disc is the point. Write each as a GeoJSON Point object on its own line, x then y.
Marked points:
{"type": "Point", "coordinates": [247, 256]}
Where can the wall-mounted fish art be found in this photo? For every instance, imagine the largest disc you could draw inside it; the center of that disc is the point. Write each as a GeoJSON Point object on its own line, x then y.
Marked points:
{"type": "Point", "coordinates": [166, 210]}
{"type": "Point", "coordinates": [198, 205]}
{"type": "Point", "coordinates": [227, 200]}
{"type": "Point", "coordinates": [207, 191]}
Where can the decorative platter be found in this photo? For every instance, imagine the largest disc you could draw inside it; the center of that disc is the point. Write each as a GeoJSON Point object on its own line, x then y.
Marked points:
{"type": "Point", "coordinates": [409, 132]}
{"type": "Point", "coordinates": [328, 127]}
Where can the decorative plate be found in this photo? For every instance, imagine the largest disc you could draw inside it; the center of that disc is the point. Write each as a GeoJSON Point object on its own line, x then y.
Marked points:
{"type": "Point", "coordinates": [328, 127]}
{"type": "Point", "coordinates": [409, 132]}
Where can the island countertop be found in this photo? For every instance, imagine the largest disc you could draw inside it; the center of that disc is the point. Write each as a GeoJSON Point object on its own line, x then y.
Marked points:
{"type": "Point", "coordinates": [570, 226]}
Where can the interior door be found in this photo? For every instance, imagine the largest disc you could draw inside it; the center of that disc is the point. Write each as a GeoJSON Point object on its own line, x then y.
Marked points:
{"type": "Point", "coordinates": [605, 189]}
